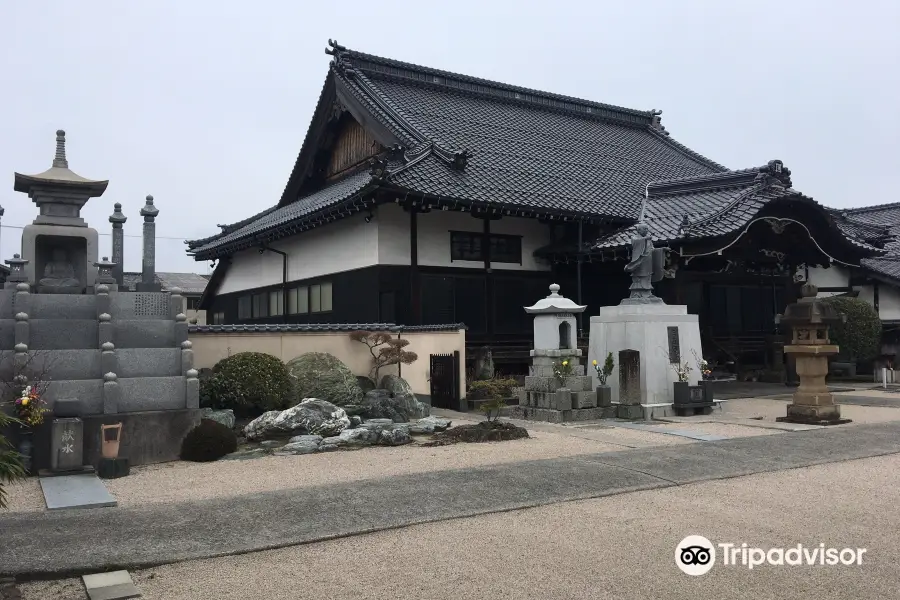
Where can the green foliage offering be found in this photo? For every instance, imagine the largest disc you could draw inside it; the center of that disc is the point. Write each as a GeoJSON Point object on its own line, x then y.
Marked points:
{"type": "Point", "coordinates": [208, 441]}
{"type": "Point", "coordinates": [561, 370]}
{"type": "Point", "coordinates": [11, 469]}
{"type": "Point", "coordinates": [248, 382]}
{"type": "Point", "coordinates": [859, 338]}
{"type": "Point", "coordinates": [497, 391]}
{"type": "Point", "coordinates": [607, 369]}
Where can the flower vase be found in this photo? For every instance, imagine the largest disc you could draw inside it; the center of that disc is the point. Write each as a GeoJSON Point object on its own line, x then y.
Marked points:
{"type": "Point", "coordinates": [26, 447]}
{"type": "Point", "coordinates": [707, 386]}
{"type": "Point", "coordinates": [682, 392]}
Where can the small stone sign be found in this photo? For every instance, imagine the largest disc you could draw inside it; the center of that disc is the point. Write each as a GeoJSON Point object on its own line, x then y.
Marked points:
{"type": "Point", "coordinates": [629, 377]}
{"type": "Point", "coordinates": [674, 345]}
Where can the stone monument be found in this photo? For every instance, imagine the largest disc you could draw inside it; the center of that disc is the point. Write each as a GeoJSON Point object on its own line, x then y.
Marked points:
{"type": "Point", "coordinates": [646, 337]}
{"type": "Point", "coordinates": [125, 356]}
{"type": "Point", "coordinates": [546, 397]}
{"type": "Point", "coordinates": [809, 320]}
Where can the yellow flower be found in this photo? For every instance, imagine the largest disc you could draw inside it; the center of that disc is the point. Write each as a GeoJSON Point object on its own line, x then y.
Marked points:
{"type": "Point", "coordinates": [595, 362]}
{"type": "Point", "coordinates": [565, 363]}
{"type": "Point", "coordinates": [24, 401]}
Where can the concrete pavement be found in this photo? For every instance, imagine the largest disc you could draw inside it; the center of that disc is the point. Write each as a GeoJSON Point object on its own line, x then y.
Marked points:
{"type": "Point", "coordinates": [75, 542]}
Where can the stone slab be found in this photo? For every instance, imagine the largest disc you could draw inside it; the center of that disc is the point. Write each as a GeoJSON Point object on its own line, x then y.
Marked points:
{"type": "Point", "coordinates": [139, 306]}
{"type": "Point", "coordinates": [116, 585]}
{"type": "Point", "coordinates": [144, 333]}
{"type": "Point", "coordinates": [676, 432]}
{"type": "Point", "coordinates": [148, 362]}
{"type": "Point", "coordinates": [63, 306]}
{"type": "Point", "coordinates": [89, 391]}
{"type": "Point", "coordinates": [76, 491]}
{"type": "Point", "coordinates": [142, 394]}
{"type": "Point", "coordinates": [64, 334]}
{"type": "Point", "coordinates": [69, 364]}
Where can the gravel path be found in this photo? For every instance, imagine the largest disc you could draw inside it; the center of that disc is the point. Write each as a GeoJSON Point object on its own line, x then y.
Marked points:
{"type": "Point", "coordinates": [180, 481]}
{"type": "Point", "coordinates": [581, 550]}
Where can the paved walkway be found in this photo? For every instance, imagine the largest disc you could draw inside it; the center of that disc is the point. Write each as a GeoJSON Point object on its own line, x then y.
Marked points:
{"type": "Point", "coordinates": [71, 542]}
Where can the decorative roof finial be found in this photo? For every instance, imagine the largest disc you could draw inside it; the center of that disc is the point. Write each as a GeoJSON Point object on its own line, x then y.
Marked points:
{"type": "Point", "coordinates": [60, 159]}
{"type": "Point", "coordinates": [149, 210]}
{"type": "Point", "coordinates": [117, 216]}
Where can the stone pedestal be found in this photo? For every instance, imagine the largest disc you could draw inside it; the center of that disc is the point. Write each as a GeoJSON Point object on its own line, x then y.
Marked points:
{"type": "Point", "coordinates": [66, 444]}
{"type": "Point", "coordinates": [646, 341]}
{"type": "Point", "coordinates": [813, 404]}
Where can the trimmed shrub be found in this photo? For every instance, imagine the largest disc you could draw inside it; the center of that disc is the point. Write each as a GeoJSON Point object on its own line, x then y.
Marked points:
{"type": "Point", "coordinates": [859, 338]}
{"type": "Point", "coordinates": [247, 383]}
{"type": "Point", "coordinates": [208, 441]}
{"type": "Point", "coordinates": [492, 388]}
{"type": "Point", "coordinates": [323, 376]}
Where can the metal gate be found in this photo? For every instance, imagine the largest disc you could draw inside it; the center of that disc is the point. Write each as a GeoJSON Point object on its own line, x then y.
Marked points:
{"type": "Point", "coordinates": [445, 381]}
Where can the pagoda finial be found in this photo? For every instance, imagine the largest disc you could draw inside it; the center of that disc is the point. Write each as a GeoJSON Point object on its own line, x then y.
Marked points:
{"type": "Point", "coordinates": [60, 159]}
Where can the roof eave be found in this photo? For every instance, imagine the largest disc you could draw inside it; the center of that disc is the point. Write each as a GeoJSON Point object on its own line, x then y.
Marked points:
{"type": "Point", "coordinates": [28, 183]}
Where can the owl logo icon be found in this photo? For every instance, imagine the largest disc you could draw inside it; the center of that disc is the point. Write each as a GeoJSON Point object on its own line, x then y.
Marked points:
{"type": "Point", "coordinates": [695, 555]}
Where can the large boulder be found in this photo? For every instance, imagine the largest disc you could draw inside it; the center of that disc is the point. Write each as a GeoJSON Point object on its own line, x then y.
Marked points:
{"type": "Point", "coordinates": [321, 375]}
{"type": "Point", "coordinates": [378, 404]}
{"type": "Point", "coordinates": [225, 417]}
{"type": "Point", "coordinates": [405, 399]}
{"type": "Point", "coordinates": [312, 416]}
{"type": "Point", "coordinates": [429, 425]}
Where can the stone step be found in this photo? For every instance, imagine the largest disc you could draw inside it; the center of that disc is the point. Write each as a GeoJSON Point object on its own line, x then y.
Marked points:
{"type": "Point", "coordinates": [144, 333]}
{"type": "Point", "coordinates": [148, 362]}
{"type": "Point", "coordinates": [88, 391]}
{"type": "Point", "coordinates": [63, 306]}
{"type": "Point", "coordinates": [58, 364]}
{"type": "Point", "coordinates": [152, 393]}
{"type": "Point", "coordinates": [63, 334]}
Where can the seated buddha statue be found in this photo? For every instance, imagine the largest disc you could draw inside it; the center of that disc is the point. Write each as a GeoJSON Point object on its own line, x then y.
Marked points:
{"type": "Point", "coordinates": [59, 276]}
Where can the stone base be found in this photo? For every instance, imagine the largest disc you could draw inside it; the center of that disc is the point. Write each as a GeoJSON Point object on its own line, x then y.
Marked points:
{"type": "Point", "coordinates": [147, 437]}
{"type": "Point", "coordinates": [548, 415]}
{"type": "Point", "coordinates": [113, 468]}
{"type": "Point", "coordinates": [629, 411]}
{"type": "Point", "coordinates": [644, 328]}
{"type": "Point", "coordinates": [643, 411]}
{"type": "Point", "coordinates": [806, 414]}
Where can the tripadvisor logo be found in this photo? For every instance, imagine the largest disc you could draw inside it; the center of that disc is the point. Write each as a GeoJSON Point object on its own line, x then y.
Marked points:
{"type": "Point", "coordinates": [696, 555]}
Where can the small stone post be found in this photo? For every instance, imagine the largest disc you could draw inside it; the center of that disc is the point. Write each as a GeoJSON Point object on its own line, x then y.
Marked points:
{"type": "Point", "coordinates": [118, 243]}
{"type": "Point", "coordinates": [108, 362]}
{"type": "Point", "coordinates": [187, 356]}
{"type": "Point", "coordinates": [192, 389]}
{"type": "Point", "coordinates": [148, 273]}
{"type": "Point", "coordinates": [176, 303]}
{"type": "Point", "coordinates": [181, 328]}
{"type": "Point", "coordinates": [111, 394]}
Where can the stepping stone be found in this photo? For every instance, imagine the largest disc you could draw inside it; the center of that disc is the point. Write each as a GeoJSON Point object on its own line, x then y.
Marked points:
{"type": "Point", "coordinates": [116, 585]}
{"type": "Point", "coordinates": [75, 491]}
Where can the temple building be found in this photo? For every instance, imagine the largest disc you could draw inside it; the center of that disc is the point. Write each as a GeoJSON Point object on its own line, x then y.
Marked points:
{"type": "Point", "coordinates": [421, 196]}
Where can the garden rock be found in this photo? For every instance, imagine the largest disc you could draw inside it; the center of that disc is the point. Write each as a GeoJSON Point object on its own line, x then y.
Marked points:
{"type": "Point", "coordinates": [405, 399]}
{"type": "Point", "coordinates": [311, 416]}
{"type": "Point", "coordinates": [247, 454]}
{"type": "Point", "coordinates": [322, 375]}
{"type": "Point", "coordinates": [271, 444]}
{"type": "Point", "coordinates": [306, 439]}
{"type": "Point", "coordinates": [355, 421]}
{"type": "Point", "coordinates": [365, 384]}
{"type": "Point", "coordinates": [429, 425]}
{"type": "Point", "coordinates": [225, 417]}
{"type": "Point", "coordinates": [301, 447]}
{"type": "Point", "coordinates": [378, 404]}
{"type": "Point", "coordinates": [358, 437]}
{"type": "Point", "coordinates": [396, 436]}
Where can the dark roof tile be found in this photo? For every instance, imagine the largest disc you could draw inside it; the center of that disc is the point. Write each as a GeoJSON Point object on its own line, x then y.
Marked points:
{"type": "Point", "coordinates": [313, 327]}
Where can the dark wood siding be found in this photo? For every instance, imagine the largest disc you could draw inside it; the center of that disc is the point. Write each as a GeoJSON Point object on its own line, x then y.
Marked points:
{"type": "Point", "coordinates": [353, 146]}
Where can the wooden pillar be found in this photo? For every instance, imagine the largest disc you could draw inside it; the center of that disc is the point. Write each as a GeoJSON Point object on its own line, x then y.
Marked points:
{"type": "Point", "coordinates": [414, 286]}
{"type": "Point", "coordinates": [488, 278]}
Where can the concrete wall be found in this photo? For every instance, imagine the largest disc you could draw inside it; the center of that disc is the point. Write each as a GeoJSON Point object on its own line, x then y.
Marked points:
{"type": "Point", "coordinates": [210, 348]}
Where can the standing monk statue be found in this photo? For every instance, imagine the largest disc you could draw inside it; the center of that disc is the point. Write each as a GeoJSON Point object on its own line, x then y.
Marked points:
{"type": "Point", "coordinates": [641, 268]}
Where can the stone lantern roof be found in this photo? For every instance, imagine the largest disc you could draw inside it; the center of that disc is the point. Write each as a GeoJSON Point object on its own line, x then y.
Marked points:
{"type": "Point", "coordinates": [554, 303]}
{"type": "Point", "coordinates": [59, 175]}
{"type": "Point", "coordinates": [809, 310]}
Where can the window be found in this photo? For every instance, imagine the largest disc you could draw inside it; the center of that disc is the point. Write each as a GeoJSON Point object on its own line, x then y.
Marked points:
{"type": "Point", "coordinates": [245, 310]}
{"type": "Point", "coordinates": [193, 303]}
{"type": "Point", "coordinates": [218, 318]}
{"type": "Point", "coordinates": [470, 246]}
{"type": "Point", "coordinates": [320, 297]}
{"type": "Point", "coordinates": [298, 301]}
{"type": "Point", "coordinates": [260, 305]}
{"type": "Point", "coordinates": [276, 303]}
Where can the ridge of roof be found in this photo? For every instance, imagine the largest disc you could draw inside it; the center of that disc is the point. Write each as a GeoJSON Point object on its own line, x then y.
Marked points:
{"type": "Point", "coordinates": [702, 182]}
{"type": "Point", "coordinates": [389, 67]}
{"type": "Point", "coordinates": [872, 208]}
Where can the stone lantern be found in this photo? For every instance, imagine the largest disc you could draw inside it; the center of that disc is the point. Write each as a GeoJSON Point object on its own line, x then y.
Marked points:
{"type": "Point", "coordinates": [809, 320]}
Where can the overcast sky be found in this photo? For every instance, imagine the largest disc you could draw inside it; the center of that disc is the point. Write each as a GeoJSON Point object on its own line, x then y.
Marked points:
{"type": "Point", "coordinates": [204, 104]}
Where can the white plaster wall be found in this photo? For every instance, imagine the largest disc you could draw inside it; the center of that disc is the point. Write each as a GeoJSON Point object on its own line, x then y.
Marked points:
{"type": "Point", "coordinates": [833, 276]}
{"type": "Point", "coordinates": [434, 239]}
{"type": "Point", "coordinates": [393, 235]}
{"type": "Point", "coordinates": [341, 246]}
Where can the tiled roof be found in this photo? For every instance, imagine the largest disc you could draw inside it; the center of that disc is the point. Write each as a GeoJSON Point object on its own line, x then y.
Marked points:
{"type": "Point", "coordinates": [188, 283]}
{"type": "Point", "coordinates": [474, 141]}
{"type": "Point", "coordinates": [715, 205]}
{"type": "Point", "coordinates": [314, 327]}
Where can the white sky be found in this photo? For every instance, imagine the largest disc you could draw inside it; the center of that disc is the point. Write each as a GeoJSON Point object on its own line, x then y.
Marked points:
{"type": "Point", "coordinates": [205, 104]}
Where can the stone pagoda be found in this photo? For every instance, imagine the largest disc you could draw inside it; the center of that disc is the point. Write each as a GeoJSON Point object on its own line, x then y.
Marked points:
{"type": "Point", "coordinates": [547, 396]}
{"type": "Point", "coordinates": [119, 356]}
